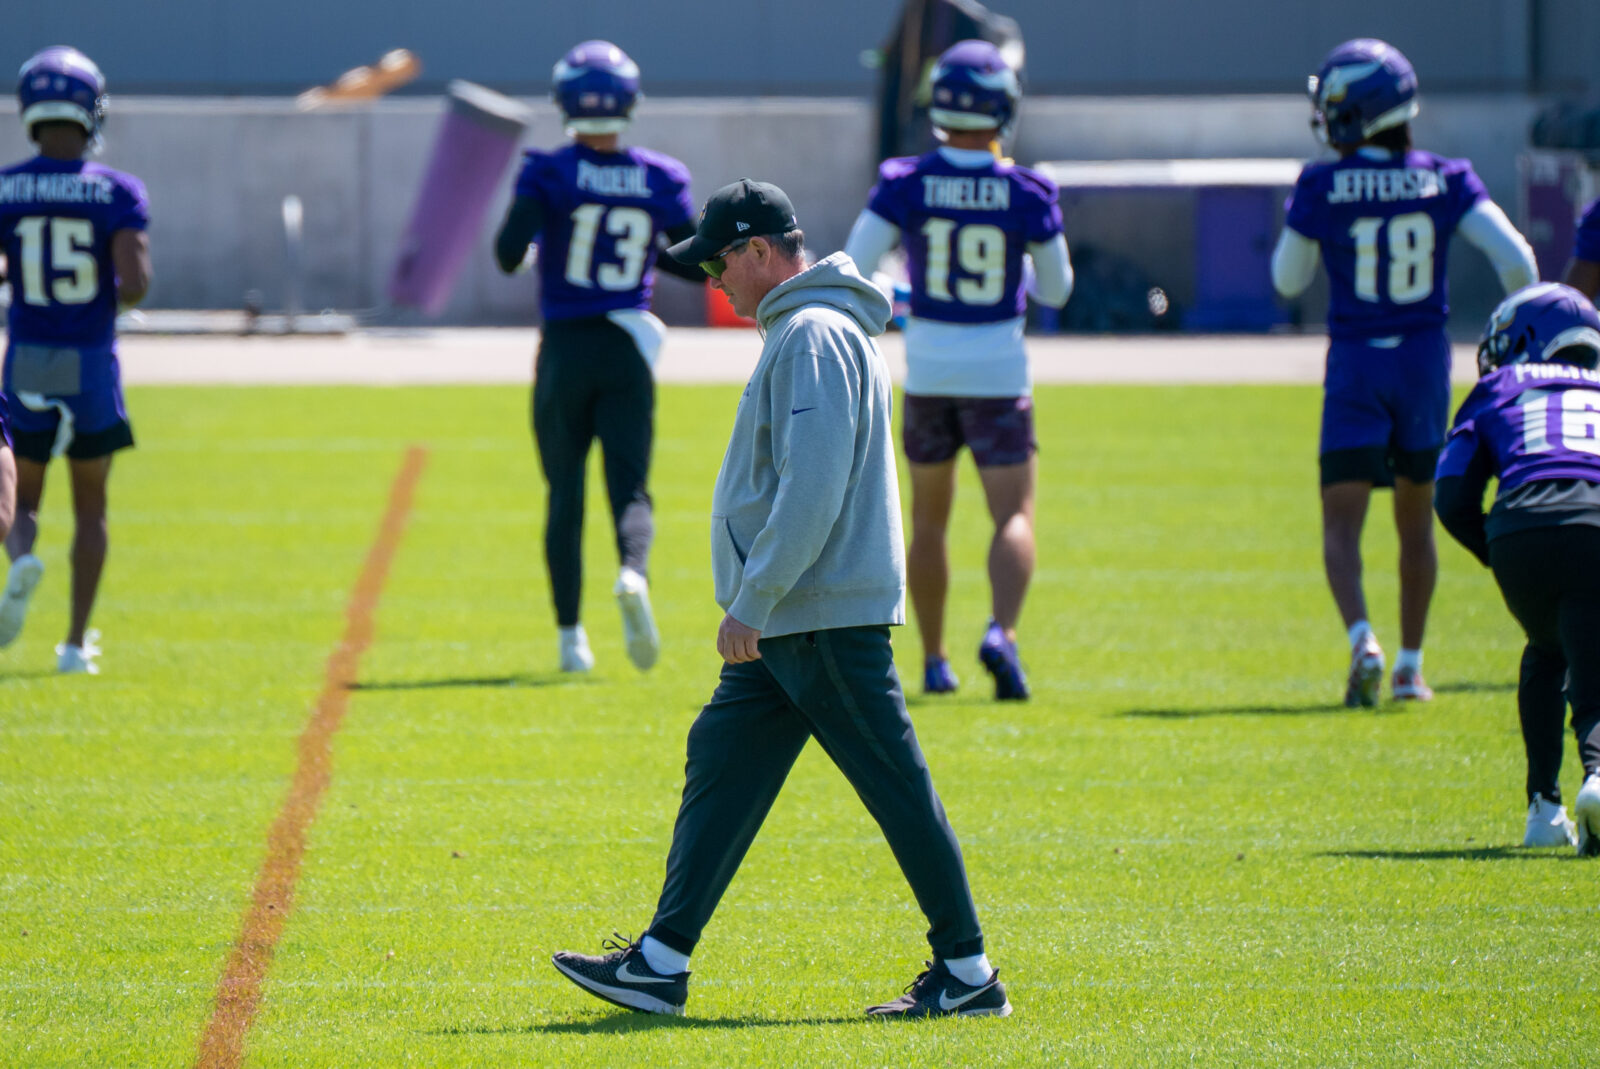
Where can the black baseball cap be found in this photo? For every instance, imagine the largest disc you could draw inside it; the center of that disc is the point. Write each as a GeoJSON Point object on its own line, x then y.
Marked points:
{"type": "Point", "coordinates": [742, 209]}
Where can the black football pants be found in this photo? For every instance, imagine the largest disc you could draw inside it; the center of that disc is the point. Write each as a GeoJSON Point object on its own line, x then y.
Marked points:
{"type": "Point", "coordinates": [591, 382]}
{"type": "Point", "coordinates": [839, 687]}
{"type": "Point", "coordinates": [1550, 577]}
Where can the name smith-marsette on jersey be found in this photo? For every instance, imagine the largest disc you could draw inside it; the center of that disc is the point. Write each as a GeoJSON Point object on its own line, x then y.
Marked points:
{"type": "Point", "coordinates": [973, 194]}
{"type": "Point", "coordinates": [1408, 183]}
{"type": "Point", "coordinates": [55, 188]}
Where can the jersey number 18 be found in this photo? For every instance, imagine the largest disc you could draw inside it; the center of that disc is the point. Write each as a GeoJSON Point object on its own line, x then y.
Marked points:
{"type": "Point", "coordinates": [1410, 242]}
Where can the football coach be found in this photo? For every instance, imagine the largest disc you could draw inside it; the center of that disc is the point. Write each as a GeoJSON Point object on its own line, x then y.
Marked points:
{"type": "Point", "coordinates": [809, 566]}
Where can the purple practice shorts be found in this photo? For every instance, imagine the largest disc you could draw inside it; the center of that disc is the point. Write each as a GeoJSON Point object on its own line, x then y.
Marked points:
{"type": "Point", "coordinates": [1396, 399]}
{"type": "Point", "coordinates": [998, 430]}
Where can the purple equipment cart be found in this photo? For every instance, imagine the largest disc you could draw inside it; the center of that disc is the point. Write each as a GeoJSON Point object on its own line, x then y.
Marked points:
{"type": "Point", "coordinates": [476, 140]}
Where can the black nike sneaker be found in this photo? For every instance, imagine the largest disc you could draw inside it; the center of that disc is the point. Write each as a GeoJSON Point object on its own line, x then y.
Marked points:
{"type": "Point", "coordinates": [624, 978]}
{"type": "Point", "coordinates": [937, 993]}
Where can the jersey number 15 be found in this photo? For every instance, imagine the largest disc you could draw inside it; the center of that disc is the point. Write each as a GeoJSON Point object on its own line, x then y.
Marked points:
{"type": "Point", "coordinates": [70, 248]}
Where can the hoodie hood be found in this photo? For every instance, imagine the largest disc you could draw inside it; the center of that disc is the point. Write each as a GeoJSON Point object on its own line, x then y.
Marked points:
{"type": "Point", "coordinates": [833, 281]}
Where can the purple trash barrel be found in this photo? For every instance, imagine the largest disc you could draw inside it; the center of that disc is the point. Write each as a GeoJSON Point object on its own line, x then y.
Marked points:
{"type": "Point", "coordinates": [477, 138]}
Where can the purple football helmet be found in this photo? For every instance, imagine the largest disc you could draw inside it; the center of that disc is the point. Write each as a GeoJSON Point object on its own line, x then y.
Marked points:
{"type": "Point", "coordinates": [596, 86]}
{"type": "Point", "coordinates": [1542, 323]}
{"type": "Point", "coordinates": [62, 83]}
{"type": "Point", "coordinates": [1364, 86]}
{"type": "Point", "coordinates": [973, 88]}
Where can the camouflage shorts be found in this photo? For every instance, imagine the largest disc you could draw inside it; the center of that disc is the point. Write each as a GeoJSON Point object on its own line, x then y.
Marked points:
{"type": "Point", "coordinates": [998, 430]}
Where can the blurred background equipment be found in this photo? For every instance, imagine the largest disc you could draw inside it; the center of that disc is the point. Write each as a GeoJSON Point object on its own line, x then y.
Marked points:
{"type": "Point", "coordinates": [393, 70]}
{"type": "Point", "coordinates": [925, 29]}
{"type": "Point", "coordinates": [476, 140]}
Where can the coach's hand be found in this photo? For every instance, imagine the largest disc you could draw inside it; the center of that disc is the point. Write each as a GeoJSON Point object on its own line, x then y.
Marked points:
{"type": "Point", "coordinates": [736, 642]}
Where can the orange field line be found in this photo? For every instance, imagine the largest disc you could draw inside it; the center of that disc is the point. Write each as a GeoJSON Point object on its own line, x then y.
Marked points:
{"type": "Point", "coordinates": [239, 990]}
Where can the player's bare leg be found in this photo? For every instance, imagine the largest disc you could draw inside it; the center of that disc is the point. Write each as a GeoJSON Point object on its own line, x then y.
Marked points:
{"type": "Point", "coordinates": [25, 520]}
{"type": "Point", "coordinates": [89, 540]}
{"type": "Point", "coordinates": [1344, 514]}
{"type": "Point", "coordinates": [8, 491]}
{"type": "Point", "coordinates": [933, 492]}
{"type": "Point", "coordinates": [1419, 571]}
{"type": "Point", "coordinates": [1009, 490]}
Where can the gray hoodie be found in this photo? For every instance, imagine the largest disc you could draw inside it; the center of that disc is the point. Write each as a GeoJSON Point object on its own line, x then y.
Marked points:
{"type": "Point", "coordinates": [805, 517]}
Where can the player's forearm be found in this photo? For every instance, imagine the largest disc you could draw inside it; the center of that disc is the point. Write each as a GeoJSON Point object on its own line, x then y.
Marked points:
{"type": "Point", "coordinates": [1294, 263]}
{"type": "Point", "coordinates": [687, 272]}
{"type": "Point", "coordinates": [870, 240]}
{"type": "Point", "coordinates": [1460, 511]}
{"type": "Point", "coordinates": [1051, 281]}
{"type": "Point", "coordinates": [524, 220]}
{"type": "Point", "coordinates": [130, 256]}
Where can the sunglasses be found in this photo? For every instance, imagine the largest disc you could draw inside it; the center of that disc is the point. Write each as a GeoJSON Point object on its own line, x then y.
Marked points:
{"type": "Point", "coordinates": [716, 265]}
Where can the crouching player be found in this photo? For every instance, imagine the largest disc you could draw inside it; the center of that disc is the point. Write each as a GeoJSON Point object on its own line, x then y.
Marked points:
{"type": "Point", "coordinates": [1533, 422]}
{"type": "Point", "coordinates": [74, 239]}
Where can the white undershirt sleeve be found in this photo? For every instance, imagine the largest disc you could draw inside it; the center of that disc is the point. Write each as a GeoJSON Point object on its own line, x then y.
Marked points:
{"type": "Point", "coordinates": [1051, 281]}
{"type": "Point", "coordinates": [1487, 227]}
{"type": "Point", "coordinates": [870, 240]}
{"type": "Point", "coordinates": [1294, 262]}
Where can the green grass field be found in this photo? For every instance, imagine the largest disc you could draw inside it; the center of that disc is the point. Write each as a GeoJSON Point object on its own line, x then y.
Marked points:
{"type": "Point", "coordinates": [1183, 849]}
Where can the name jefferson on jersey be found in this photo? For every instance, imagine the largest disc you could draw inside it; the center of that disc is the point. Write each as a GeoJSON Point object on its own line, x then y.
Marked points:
{"type": "Point", "coordinates": [1384, 186]}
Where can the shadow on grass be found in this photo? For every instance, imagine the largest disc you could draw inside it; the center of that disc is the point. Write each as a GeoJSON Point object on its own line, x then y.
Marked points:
{"type": "Point", "coordinates": [1468, 686]}
{"type": "Point", "coordinates": [451, 683]}
{"type": "Point", "coordinates": [36, 673]}
{"type": "Point", "coordinates": [1309, 709]}
{"type": "Point", "coordinates": [629, 1022]}
{"type": "Point", "coordinates": [1476, 853]}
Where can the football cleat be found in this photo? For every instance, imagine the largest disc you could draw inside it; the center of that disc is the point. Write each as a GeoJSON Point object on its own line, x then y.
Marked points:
{"type": "Point", "coordinates": [1539, 324]}
{"type": "Point", "coordinates": [1366, 674]}
{"type": "Point", "coordinates": [1408, 686]}
{"type": "Point", "coordinates": [596, 86]}
{"type": "Point", "coordinates": [623, 977]}
{"type": "Point", "coordinates": [1586, 808]}
{"type": "Point", "coordinates": [1363, 87]}
{"type": "Point", "coordinates": [1548, 824]}
{"type": "Point", "coordinates": [638, 623]}
{"type": "Point", "coordinates": [575, 653]}
{"type": "Point", "coordinates": [938, 993]}
{"type": "Point", "coordinates": [998, 655]}
{"type": "Point", "coordinates": [62, 84]}
{"type": "Point", "coordinates": [21, 581]}
{"type": "Point", "coordinates": [972, 87]}
{"type": "Point", "coordinates": [79, 660]}
{"type": "Point", "coordinates": [938, 677]}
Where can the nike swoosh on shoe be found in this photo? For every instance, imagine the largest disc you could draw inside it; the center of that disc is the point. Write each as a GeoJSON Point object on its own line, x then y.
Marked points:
{"type": "Point", "coordinates": [628, 976]}
{"type": "Point", "coordinates": [948, 1003]}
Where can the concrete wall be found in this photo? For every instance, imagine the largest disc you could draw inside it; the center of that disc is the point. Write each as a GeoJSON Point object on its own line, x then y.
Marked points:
{"type": "Point", "coordinates": [218, 170]}
{"type": "Point", "coordinates": [780, 47]}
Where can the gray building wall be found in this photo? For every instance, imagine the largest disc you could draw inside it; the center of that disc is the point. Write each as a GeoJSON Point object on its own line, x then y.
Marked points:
{"type": "Point", "coordinates": [810, 48]}
{"type": "Point", "coordinates": [218, 170]}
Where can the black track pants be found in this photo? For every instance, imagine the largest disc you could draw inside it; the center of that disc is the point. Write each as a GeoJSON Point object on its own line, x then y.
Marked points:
{"type": "Point", "coordinates": [590, 382]}
{"type": "Point", "coordinates": [839, 687]}
{"type": "Point", "coordinates": [1550, 577]}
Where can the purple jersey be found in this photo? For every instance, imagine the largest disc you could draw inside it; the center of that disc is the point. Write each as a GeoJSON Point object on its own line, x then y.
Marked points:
{"type": "Point", "coordinates": [1385, 227]}
{"type": "Point", "coordinates": [603, 212]}
{"type": "Point", "coordinates": [56, 222]}
{"type": "Point", "coordinates": [965, 230]}
{"type": "Point", "coordinates": [1586, 244]}
{"type": "Point", "coordinates": [1532, 422]}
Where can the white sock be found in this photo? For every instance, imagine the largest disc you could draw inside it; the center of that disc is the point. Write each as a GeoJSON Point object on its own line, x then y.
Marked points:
{"type": "Point", "coordinates": [661, 958]}
{"type": "Point", "coordinates": [1408, 660]}
{"type": "Point", "coordinates": [1359, 632]}
{"type": "Point", "coordinates": [574, 635]}
{"type": "Point", "coordinates": [973, 971]}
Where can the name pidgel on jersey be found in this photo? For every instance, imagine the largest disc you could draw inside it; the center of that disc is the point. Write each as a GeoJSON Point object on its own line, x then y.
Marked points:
{"type": "Point", "coordinates": [1385, 184]}
{"type": "Point", "coordinates": [613, 181]}
{"type": "Point", "coordinates": [971, 194]}
{"type": "Point", "coordinates": [55, 189]}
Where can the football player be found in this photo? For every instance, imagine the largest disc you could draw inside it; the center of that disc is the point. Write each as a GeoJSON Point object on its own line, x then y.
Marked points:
{"type": "Point", "coordinates": [74, 238]}
{"type": "Point", "coordinates": [1380, 219]}
{"type": "Point", "coordinates": [8, 476]}
{"type": "Point", "coordinates": [600, 212]}
{"type": "Point", "coordinates": [1583, 270]}
{"type": "Point", "coordinates": [1533, 423]}
{"type": "Point", "coordinates": [969, 222]}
